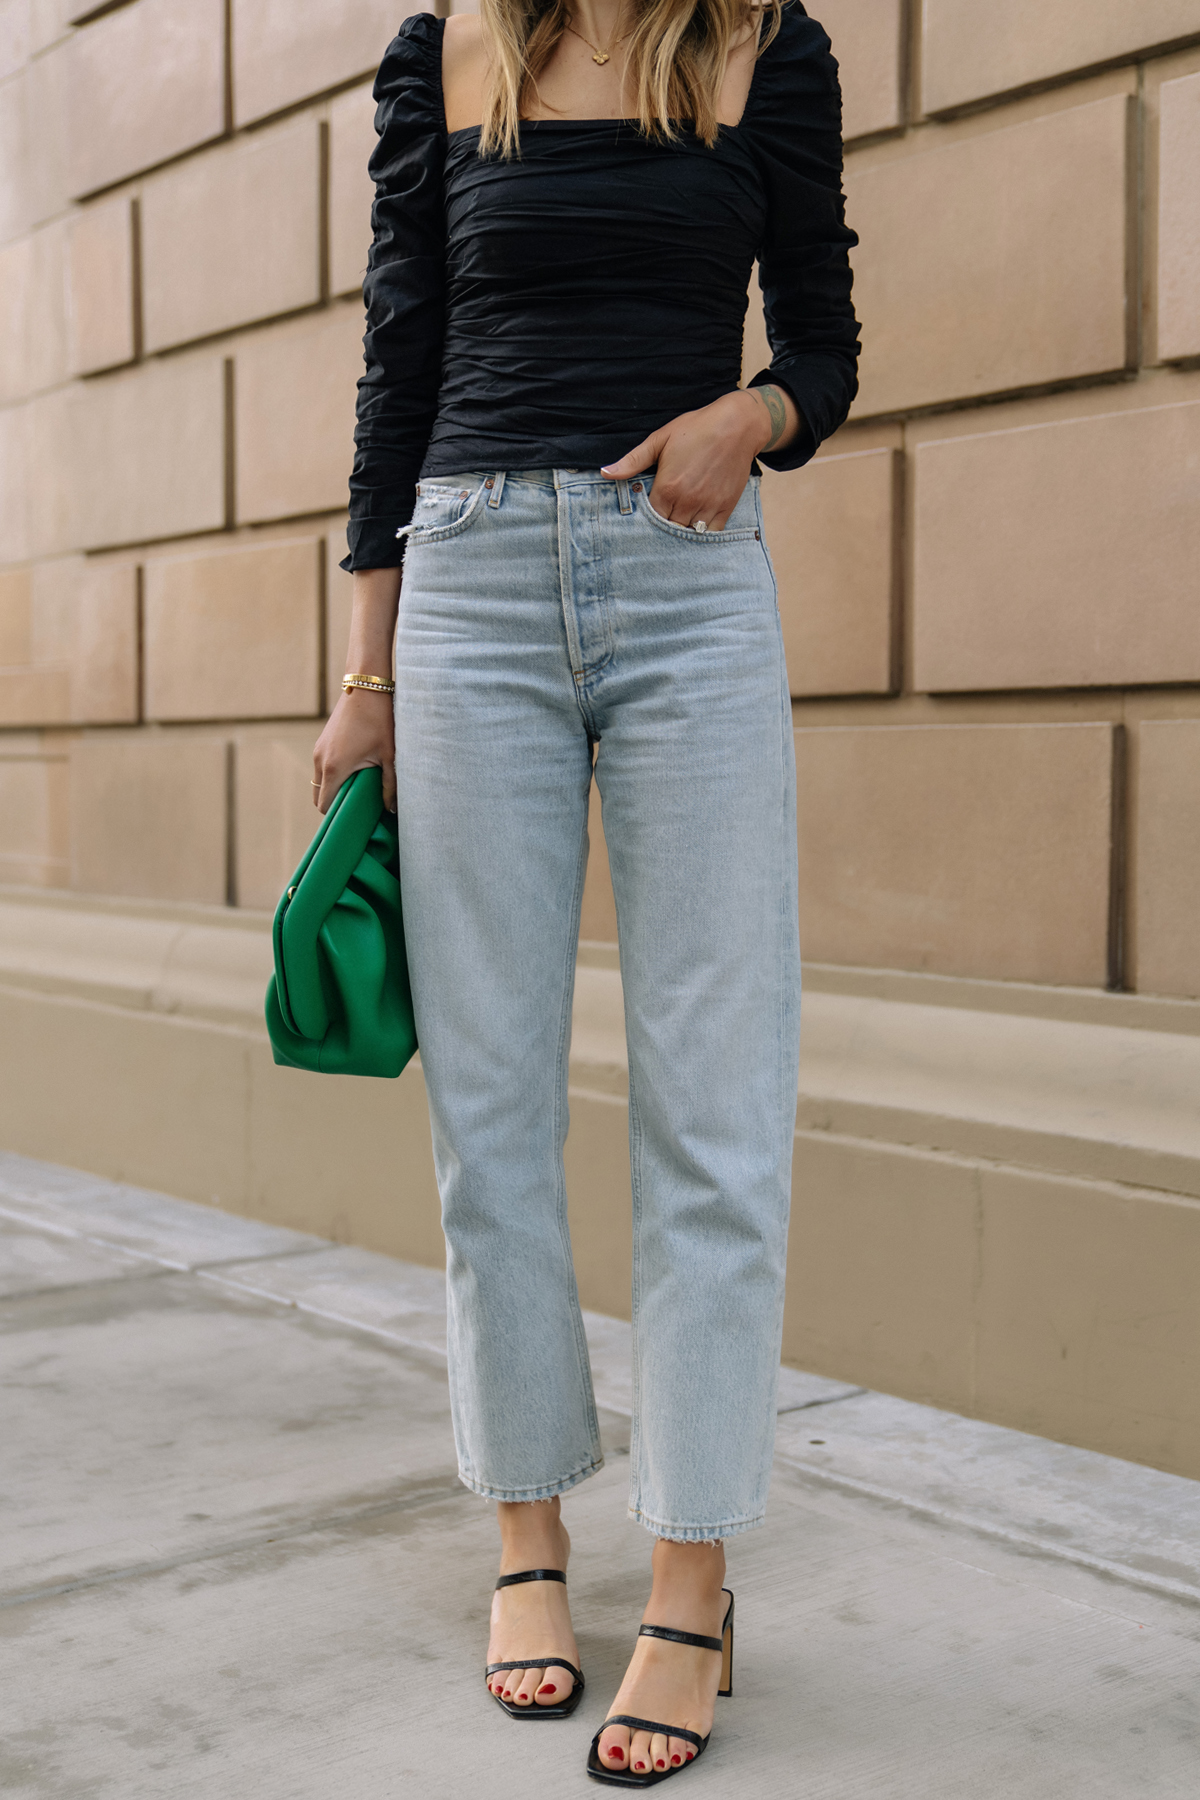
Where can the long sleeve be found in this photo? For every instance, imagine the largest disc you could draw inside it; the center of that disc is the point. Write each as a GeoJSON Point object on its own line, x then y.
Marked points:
{"type": "Point", "coordinates": [795, 128]}
{"type": "Point", "coordinates": [404, 293]}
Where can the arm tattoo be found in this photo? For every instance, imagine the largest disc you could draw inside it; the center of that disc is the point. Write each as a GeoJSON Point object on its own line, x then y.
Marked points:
{"type": "Point", "coordinates": [772, 399]}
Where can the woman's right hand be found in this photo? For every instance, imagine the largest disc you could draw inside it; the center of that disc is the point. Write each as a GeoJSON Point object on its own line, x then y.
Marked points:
{"type": "Point", "coordinates": [360, 733]}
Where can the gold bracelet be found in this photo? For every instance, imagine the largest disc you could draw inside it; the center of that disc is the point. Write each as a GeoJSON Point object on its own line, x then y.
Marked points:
{"type": "Point", "coordinates": [374, 684]}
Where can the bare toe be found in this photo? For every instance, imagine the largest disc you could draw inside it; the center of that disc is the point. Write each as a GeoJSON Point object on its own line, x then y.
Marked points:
{"type": "Point", "coordinates": [614, 1747]}
{"type": "Point", "coordinates": [522, 1688]}
{"type": "Point", "coordinates": [639, 1753]}
{"type": "Point", "coordinates": [553, 1687]}
{"type": "Point", "coordinates": [679, 1751]}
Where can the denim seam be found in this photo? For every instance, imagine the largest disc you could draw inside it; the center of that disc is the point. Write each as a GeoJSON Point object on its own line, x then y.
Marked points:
{"type": "Point", "coordinates": [697, 1534]}
{"type": "Point", "coordinates": [782, 955]}
{"type": "Point", "coordinates": [545, 1490]}
{"type": "Point", "coordinates": [635, 1187]}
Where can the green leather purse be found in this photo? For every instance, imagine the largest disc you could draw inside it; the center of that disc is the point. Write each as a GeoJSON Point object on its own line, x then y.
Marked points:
{"type": "Point", "coordinates": [339, 1001]}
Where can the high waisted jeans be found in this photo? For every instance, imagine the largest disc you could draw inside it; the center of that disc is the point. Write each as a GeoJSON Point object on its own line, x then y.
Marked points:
{"type": "Point", "coordinates": [547, 618]}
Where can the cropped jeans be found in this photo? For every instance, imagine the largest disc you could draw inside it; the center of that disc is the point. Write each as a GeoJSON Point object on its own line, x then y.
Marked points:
{"type": "Point", "coordinates": [551, 622]}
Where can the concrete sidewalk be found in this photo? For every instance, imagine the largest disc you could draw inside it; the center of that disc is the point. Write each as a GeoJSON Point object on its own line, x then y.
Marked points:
{"type": "Point", "coordinates": [236, 1560]}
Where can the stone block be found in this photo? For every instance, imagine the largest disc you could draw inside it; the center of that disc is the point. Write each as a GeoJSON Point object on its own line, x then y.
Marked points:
{"type": "Point", "coordinates": [47, 101]}
{"type": "Point", "coordinates": [15, 37]}
{"type": "Point", "coordinates": [50, 20]}
{"type": "Point", "coordinates": [275, 815]}
{"type": "Point", "coordinates": [34, 696]}
{"type": "Point", "coordinates": [148, 457]}
{"type": "Point", "coordinates": [148, 815]}
{"type": "Point", "coordinates": [55, 587]}
{"type": "Point", "coordinates": [351, 190]}
{"type": "Point", "coordinates": [104, 666]}
{"type": "Point", "coordinates": [33, 337]}
{"type": "Point", "coordinates": [295, 415]}
{"type": "Point", "coordinates": [36, 443]}
{"type": "Point", "coordinates": [50, 441]}
{"type": "Point", "coordinates": [1166, 949]}
{"type": "Point", "coordinates": [33, 816]}
{"type": "Point", "coordinates": [232, 236]}
{"type": "Point", "coordinates": [16, 617]}
{"type": "Point", "coordinates": [1059, 554]}
{"type": "Point", "coordinates": [286, 50]}
{"type": "Point", "coordinates": [1095, 1338]}
{"type": "Point", "coordinates": [950, 236]}
{"type": "Point", "coordinates": [977, 850]}
{"type": "Point", "coordinates": [882, 1267]}
{"type": "Point", "coordinates": [100, 291]}
{"type": "Point", "coordinates": [234, 634]}
{"type": "Point", "coordinates": [970, 52]}
{"type": "Point", "coordinates": [14, 506]}
{"type": "Point", "coordinates": [1179, 219]}
{"type": "Point", "coordinates": [144, 84]}
{"type": "Point", "coordinates": [15, 175]}
{"type": "Point", "coordinates": [831, 529]}
{"type": "Point", "coordinates": [868, 41]}
{"type": "Point", "coordinates": [68, 644]}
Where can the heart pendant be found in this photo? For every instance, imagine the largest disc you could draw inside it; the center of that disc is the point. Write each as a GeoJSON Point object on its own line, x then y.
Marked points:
{"type": "Point", "coordinates": [600, 56]}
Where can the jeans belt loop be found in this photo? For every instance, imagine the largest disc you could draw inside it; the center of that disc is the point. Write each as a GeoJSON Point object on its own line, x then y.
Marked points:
{"type": "Point", "coordinates": [623, 496]}
{"type": "Point", "coordinates": [497, 486]}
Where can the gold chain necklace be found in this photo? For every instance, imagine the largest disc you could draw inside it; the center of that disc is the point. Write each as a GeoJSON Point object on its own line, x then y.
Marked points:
{"type": "Point", "coordinates": [600, 57]}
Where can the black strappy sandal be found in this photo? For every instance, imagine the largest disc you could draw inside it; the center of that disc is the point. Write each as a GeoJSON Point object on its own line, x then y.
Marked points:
{"type": "Point", "coordinates": [626, 1777]}
{"type": "Point", "coordinates": [562, 1709]}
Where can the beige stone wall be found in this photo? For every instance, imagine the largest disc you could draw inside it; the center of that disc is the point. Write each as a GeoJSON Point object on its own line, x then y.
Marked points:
{"type": "Point", "coordinates": [988, 580]}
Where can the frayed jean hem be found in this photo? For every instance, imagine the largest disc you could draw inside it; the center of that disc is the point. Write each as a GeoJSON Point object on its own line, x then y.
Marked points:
{"type": "Point", "coordinates": [696, 1534]}
{"type": "Point", "coordinates": [523, 1496]}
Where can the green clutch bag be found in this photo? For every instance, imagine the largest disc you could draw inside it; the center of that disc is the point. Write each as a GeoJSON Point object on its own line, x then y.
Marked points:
{"type": "Point", "coordinates": [339, 1001]}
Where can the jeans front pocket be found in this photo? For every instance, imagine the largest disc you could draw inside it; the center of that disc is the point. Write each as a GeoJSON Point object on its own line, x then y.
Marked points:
{"type": "Point", "coordinates": [741, 525]}
{"type": "Point", "coordinates": [443, 509]}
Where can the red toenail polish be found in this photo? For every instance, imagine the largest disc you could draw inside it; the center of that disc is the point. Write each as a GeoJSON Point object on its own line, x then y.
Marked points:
{"type": "Point", "coordinates": [547, 1690]}
{"type": "Point", "coordinates": [639, 1765]}
{"type": "Point", "coordinates": [660, 1764]}
{"type": "Point", "coordinates": [675, 1761]}
{"type": "Point", "coordinates": [617, 1752]}
{"type": "Point", "coordinates": [691, 1753]}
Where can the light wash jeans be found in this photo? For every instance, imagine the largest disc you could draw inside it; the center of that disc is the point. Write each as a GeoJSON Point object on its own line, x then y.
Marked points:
{"type": "Point", "coordinates": [547, 616]}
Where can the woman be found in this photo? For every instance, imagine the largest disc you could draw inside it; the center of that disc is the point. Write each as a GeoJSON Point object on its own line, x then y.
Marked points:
{"type": "Point", "coordinates": [570, 198]}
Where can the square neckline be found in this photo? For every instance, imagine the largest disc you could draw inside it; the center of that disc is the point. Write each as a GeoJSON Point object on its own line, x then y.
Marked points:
{"type": "Point", "coordinates": [463, 130]}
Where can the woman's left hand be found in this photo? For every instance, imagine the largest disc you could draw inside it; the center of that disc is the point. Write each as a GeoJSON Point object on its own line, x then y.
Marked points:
{"type": "Point", "coordinates": [703, 458]}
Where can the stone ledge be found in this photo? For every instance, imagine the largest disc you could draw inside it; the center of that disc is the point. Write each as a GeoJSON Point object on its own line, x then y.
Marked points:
{"type": "Point", "coordinates": [1087, 1084]}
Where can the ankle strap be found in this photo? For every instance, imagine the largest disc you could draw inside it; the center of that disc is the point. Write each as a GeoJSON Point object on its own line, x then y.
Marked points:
{"type": "Point", "coordinates": [535, 1575]}
{"type": "Point", "coordinates": [681, 1637]}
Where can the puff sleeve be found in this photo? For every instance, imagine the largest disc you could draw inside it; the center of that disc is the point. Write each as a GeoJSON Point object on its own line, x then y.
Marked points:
{"type": "Point", "coordinates": [404, 293]}
{"type": "Point", "coordinates": [794, 125]}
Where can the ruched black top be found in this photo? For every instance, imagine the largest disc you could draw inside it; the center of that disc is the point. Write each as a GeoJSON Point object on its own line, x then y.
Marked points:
{"type": "Point", "coordinates": [554, 309]}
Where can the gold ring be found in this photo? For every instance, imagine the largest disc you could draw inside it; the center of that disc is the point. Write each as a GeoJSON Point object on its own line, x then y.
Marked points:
{"type": "Point", "coordinates": [314, 784]}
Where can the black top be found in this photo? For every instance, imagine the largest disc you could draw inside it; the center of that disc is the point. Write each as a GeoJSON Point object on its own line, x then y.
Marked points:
{"type": "Point", "coordinates": [553, 310]}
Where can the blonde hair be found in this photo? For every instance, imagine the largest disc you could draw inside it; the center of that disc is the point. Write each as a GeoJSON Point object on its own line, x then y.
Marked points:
{"type": "Point", "coordinates": [677, 55]}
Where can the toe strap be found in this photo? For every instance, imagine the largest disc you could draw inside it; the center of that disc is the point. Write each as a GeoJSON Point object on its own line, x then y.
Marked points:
{"type": "Point", "coordinates": [537, 1662]}
{"type": "Point", "coordinates": [653, 1727]}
